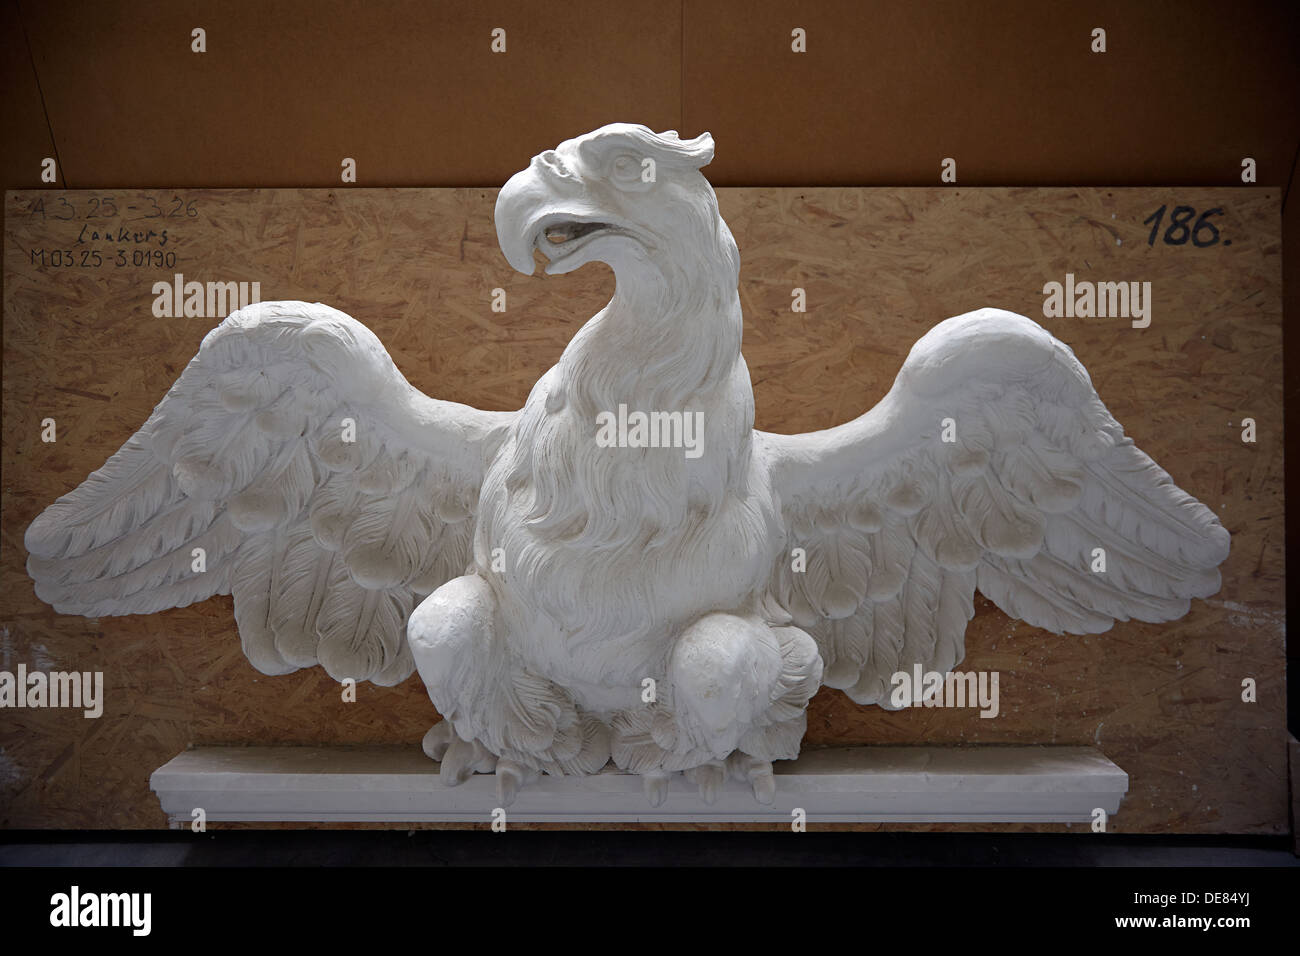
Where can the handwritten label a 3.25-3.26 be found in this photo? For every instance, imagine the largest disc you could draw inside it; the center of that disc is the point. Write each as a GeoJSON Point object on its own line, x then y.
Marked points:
{"type": "Point", "coordinates": [131, 232]}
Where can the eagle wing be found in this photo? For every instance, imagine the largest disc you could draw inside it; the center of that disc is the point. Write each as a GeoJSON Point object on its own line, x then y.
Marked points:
{"type": "Point", "coordinates": [991, 464]}
{"type": "Point", "coordinates": [292, 465]}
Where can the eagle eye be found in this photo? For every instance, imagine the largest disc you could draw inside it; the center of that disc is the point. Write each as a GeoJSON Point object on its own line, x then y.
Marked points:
{"type": "Point", "coordinates": [625, 171]}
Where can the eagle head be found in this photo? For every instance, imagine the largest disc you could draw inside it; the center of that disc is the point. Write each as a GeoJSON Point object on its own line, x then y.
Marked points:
{"type": "Point", "coordinates": [623, 195]}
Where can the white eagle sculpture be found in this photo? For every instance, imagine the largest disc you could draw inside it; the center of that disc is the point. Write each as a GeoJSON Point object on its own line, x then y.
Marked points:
{"type": "Point", "coordinates": [536, 575]}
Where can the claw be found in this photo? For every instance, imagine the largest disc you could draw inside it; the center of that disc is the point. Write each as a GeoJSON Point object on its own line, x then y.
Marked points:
{"type": "Point", "coordinates": [456, 761]}
{"type": "Point", "coordinates": [764, 785]}
{"type": "Point", "coordinates": [437, 740]}
{"type": "Point", "coordinates": [656, 786]}
{"type": "Point", "coordinates": [709, 778]}
{"type": "Point", "coordinates": [462, 759]}
{"type": "Point", "coordinates": [510, 777]}
{"type": "Point", "coordinates": [758, 772]}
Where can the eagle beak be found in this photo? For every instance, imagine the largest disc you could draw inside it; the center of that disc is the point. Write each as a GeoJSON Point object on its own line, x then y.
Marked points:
{"type": "Point", "coordinates": [534, 210]}
{"type": "Point", "coordinates": [516, 213]}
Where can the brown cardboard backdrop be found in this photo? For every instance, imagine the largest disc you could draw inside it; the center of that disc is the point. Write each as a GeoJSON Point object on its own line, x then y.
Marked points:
{"type": "Point", "coordinates": [1009, 88]}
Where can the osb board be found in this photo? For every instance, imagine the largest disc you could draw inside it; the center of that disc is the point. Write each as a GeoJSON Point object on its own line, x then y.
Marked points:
{"type": "Point", "coordinates": [880, 267]}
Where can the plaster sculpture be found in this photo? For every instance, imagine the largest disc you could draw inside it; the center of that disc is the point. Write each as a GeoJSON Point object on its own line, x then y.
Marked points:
{"type": "Point", "coordinates": [537, 567]}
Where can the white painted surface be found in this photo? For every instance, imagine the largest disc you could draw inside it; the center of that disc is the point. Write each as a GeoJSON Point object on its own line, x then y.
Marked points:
{"type": "Point", "coordinates": [861, 784]}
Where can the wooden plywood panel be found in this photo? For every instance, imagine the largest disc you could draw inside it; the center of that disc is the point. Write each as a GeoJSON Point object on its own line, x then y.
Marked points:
{"type": "Point", "coordinates": [880, 267]}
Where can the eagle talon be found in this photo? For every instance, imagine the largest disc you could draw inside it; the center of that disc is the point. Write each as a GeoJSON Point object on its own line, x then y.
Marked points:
{"type": "Point", "coordinates": [757, 772]}
{"type": "Point", "coordinates": [437, 740]}
{"type": "Point", "coordinates": [764, 784]}
{"type": "Point", "coordinates": [511, 777]}
{"type": "Point", "coordinates": [708, 777]}
{"type": "Point", "coordinates": [462, 759]}
{"type": "Point", "coordinates": [656, 786]}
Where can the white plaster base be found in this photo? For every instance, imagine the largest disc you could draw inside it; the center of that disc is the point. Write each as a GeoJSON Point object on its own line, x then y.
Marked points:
{"type": "Point", "coordinates": [988, 784]}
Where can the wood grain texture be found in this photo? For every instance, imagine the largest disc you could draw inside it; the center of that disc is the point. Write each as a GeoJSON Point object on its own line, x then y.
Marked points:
{"type": "Point", "coordinates": [880, 267]}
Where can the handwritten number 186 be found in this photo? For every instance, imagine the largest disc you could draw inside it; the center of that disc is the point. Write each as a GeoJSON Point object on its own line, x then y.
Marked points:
{"type": "Point", "coordinates": [1203, 233]}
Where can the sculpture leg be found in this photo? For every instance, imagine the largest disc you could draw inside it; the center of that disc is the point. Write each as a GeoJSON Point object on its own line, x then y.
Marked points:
{"type": "Point", "coordinates": [449, 634]}
{"type": "Point", "coordinates": [721, 672]}
{"type": "Point", "coordinates": [735, 699]}
{"type": "Point", "coordinates": [498, 716]}
{"type": "Point", "coordinates": [740, 690]}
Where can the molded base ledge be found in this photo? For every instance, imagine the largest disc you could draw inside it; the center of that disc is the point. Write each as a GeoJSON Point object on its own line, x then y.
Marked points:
{"type": "Point", "coordinates": [988, 784]}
